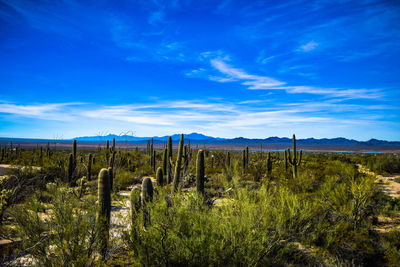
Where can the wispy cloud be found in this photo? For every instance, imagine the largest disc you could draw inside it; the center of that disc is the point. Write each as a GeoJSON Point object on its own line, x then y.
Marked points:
{"type": "Point", "coordinates": [217, 117]}
{"type": "Point", "coordinates": [40, 111]}
{"type": "Point", "coordinates": [253, 81]}
{"type": "Point", "coordinates": [260, 82]}
{"type": "Point", "coordinates": [308, 46]}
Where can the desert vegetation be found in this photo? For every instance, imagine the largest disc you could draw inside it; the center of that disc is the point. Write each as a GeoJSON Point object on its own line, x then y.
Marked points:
{"type": "Point", "coordinates": [176, 205]}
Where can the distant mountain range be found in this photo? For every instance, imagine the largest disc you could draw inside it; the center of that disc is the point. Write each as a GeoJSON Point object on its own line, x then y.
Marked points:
{"type": "Point", "coordinates": [201, 138]}
{"type": "Point", "coordinates": [336, 144]}
{"type": "Point", "coordinates": [129, 138]}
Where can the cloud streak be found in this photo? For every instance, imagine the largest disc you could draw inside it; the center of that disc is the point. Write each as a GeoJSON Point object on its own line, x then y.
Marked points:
{"type": "Point", "coordinates": [194, 115]}
{"type": "Point", "coordinates": [258, 82]}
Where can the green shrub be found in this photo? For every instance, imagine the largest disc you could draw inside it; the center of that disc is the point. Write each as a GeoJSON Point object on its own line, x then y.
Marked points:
{"type": "Point", "coordinates": [62, 235]}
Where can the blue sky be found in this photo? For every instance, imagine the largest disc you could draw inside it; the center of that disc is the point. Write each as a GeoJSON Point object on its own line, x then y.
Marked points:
{"type": "Point", "coordinates": [222, 68]}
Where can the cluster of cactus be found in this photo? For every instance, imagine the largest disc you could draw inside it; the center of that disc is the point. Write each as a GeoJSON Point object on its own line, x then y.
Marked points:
{"type": "Point", "coordinates": [169, 160]}
{"type": "Point", "coordinates": [103, 210]}
{"type": "Point", "coordinates": [296, 160]}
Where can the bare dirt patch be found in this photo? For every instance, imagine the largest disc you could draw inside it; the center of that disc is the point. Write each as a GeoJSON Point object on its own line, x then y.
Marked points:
{"type": "Point", "coordinates": [389, 185]}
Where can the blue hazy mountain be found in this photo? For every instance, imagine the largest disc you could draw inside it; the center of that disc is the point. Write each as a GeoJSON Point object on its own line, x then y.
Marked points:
{"type": "Point", "coordinates": [338, 143]}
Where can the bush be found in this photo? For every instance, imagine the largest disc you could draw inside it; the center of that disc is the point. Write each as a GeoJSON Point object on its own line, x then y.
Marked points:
{"type": "Point", "coordinates": [63, 234]}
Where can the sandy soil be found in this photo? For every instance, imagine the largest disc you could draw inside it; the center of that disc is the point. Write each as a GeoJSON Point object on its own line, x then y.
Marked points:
{"type": "Point", "coordinates": [389, 186]}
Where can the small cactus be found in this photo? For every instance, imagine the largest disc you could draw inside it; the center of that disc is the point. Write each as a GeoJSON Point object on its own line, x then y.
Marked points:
{"type": "Point", "coordinates": [160, 177]}
{"type": "Point", "coordinates": [200, 172]}
{"type": "Point", "coordinates": [103, 210]}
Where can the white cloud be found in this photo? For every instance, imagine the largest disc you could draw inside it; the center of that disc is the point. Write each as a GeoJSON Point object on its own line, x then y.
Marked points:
{"type": "Point", "coordinates": [257, 82]}
{"type": "Point", "coordinates": [308, 46]}
{"type": "Point", "coordinates": [40, 111]}
{"type": "Point", "coordinates": [214, 117]}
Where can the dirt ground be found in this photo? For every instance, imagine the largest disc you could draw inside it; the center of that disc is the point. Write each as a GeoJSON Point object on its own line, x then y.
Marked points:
{"type": "Point", "coordinates": [389, 186]}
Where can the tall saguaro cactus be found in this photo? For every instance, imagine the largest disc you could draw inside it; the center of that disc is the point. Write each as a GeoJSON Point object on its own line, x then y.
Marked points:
{"type": "Point", "coordinates": [296, 160]}
{"type": "Point", "coordinates": [286, 160]}
{"type": "Point", "coordinates": [153, 156]}
{"type": "Point", "coordinates": [169, 147]}
{"type": "Point", "coordinates": [147, 196]}
{"type": "Point", "coordinates": [178, 165]}
{"type": "Point", "coordinates": [247, 156]}
{"type": "Point", "coordinates": [269, 164]}
{"type": "Point", "coordinates": [169, 158]}
{"type": "Point", "coordinates": [89, 167]}
{"type": "Point", "coordinates": [74, 149]}
{"type": "Point", "coordinates": [228, 160]}
{"type": "Point", "coordinates": [165, 161]}
{"type": "Point", "coordinates": [244, 159]}
{"type": "Point", "coordinates": [71, 168]}
{"type": "Point", "coordinates": [200, 172]}
{"type": "Point", "coordinates": [160, 177]}
{"type": "Point", "coordinates": [103, 210]}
